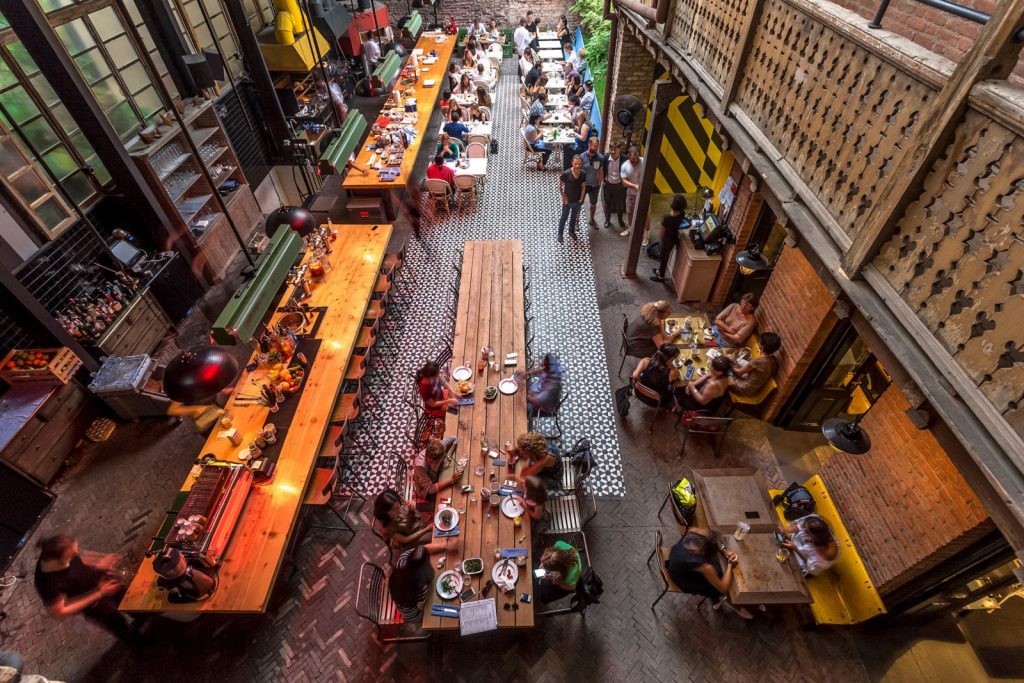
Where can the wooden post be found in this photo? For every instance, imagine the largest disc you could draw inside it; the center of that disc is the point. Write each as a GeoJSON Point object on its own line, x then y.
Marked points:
{"type": "Point", "coordinates": [664, 93]}
{"type": "Point", "coordinates": [740, 52]}
{"type": "Point", "coordinates": [993, 56]}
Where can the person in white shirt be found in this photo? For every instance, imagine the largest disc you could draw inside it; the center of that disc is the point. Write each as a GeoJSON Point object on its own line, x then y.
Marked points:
{"type": "Point", "coordinates": [632, 172]}
{"type": "Point", "coordinates": [521, 37]}
{"type": "Point", "coordinates": [587, 101]}
{"type": "Point", "coordinates": [527, 61]}
{"type": "Point", "coordinates": [371, 51]}
{"type": "Point", "coordinates": [477, 28]}
{"type": "Point", "coordinates": [570, 54]}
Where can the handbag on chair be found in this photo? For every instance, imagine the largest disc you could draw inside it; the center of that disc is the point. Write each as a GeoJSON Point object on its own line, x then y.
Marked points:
{"type": "Point", "coordinates": [622, 395]}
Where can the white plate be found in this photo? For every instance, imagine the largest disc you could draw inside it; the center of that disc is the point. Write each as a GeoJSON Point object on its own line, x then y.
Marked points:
{"type": "Point", "coordinates": [456, 581]}
{"type": "Point", "coordinates": [505, 567]}
{"type": "Point", "coordinates": [464, 393]}
{"type": "Point", "coordinates": [454, 522]}
{"type": "Point", "coordinates": [429, 83]}
{"type": "Point", "coordinates": [713, 353]}
{"type": "Point", "coordinates": [508, 386]}
{"type": "Point", "coordinates": [462, 373]}
{"type": "Point", "coordinates": [512, 507]}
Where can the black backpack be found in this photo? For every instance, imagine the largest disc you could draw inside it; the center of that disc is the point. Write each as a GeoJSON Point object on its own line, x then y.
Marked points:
{"type": "Point", "coordinates": [796, 502]}
{"type": "Point", "coordinates": [582, 455]}
{"type": "Point", "coordinates": [588, 591]}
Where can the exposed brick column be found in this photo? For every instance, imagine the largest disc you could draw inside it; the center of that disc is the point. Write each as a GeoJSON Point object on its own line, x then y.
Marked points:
{"type": "Point", "coordinates": [631, 68]}
{"type": "Point", "coordinates": [797, 306]}
{"type": "Point", "coordinates": [742, 218]}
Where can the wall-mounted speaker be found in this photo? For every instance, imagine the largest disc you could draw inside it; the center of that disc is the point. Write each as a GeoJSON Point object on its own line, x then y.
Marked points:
{"type": "Point", "coordinates": [289, 102]}
{"type": "Point", "coordinates": [199, 70]}
{"type": "Point", "coordinates": [216, 64]}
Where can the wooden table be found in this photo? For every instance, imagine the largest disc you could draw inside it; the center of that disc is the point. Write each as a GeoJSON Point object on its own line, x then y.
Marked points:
{"type": "Point", "coordinates": [253, 557]}
{"type": "Point", "coordinates": [357, 184]}
{"type": "Point", "coordinates": [726, 496]}
{"type": "Point", "coordinates": [490, 314]}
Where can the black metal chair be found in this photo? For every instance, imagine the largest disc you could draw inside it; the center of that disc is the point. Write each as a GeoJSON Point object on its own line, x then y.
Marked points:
{"type": "Point", "coordinates": [681, 521]}
{"type": "Point", "coordinates": [622, 347]}
{"type": "Point", "coordinates": [543, 414]}
{"type": "Point", "coordinates": [577, 540]}
{"type": "Point", "coordinates": [374, 603]}
{"type": "Point", "coordinates": [668, 585]}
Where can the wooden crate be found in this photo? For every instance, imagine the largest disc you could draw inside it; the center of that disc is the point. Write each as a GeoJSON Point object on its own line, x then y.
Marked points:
{"type": "Point", "coordinates": [62, 366]}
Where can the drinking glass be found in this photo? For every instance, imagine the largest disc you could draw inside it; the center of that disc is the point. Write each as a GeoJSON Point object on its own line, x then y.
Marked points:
{"type": "Point", "coordinates": [742, 528]}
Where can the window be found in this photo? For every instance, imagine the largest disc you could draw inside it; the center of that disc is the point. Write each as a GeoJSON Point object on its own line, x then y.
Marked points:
{"type": "Point", "coordinates": [30, 187]}
{"type": "Point", "coordinates": [196, 29]}
{"type": "Point", "coordinates": [260, 14]}
{"type": "Point", "coordinates": [109, 61]}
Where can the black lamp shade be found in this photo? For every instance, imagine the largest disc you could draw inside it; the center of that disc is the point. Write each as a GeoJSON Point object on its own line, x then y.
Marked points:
{"type": "Point", "coordinates": [295, 217]}
{"type": "Point", "coordinates": [199, 375]}
{"type": "Point", "coordinates": [846, 436]}
{"type": "Point", "coordinates": [752, 259]}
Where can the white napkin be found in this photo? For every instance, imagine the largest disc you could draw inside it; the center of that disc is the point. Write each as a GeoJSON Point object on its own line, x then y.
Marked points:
{"type": "Point", "coordinates": [503, 583]}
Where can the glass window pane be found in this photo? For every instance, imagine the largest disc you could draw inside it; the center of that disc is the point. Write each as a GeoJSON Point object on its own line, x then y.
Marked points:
{"type": "Point", "coordinates": [40, 136]}
{"type": "Point", "coordinates": [147, 39]}
{"type": "Point", "coordinates": [92, 65]}
{"type": "Point", "coordinates": [135, 77]}
{"type": "Point", "coordinates": [11, 158]}
{"type": "Point", "coordinates": [51, 213]}
{"type": "Point", "coordinates": [194, 14]}
{"type": "Point", "coordinates": [50, 5]}
{"type": "Point", "coordinates": [123, 119]}
{"type": "Point", "coordinates": [107, 23]}
{"type": "Point", "coordinates": [108, 92]}
{"type": "Point", "coordinates": [122, 51]}
{"type": "Point", "coordinates": [60, 162]}
{"type": "Point", "coordinates": [64, 119]}
{"type": "Point", "coordinates": [148, 102]}
{"type": "Point", "coordinates": [102, 175]}
{"type": "Point", "coordinates": [79, 142]}
{"type": "Point", "coordinates": [203, 36]}
{"type": "Point", "coordinates": [22, 57]}
{"type": "Point", "coordinates": [43, 89]}
{"type": "Point", "coordinates": [79, 187]}
{"type": "Point", "coordinates": [30, 186]}
{"type": "Point", "coordinates": [3, 21]}
{"type": "Point", "coordinates": [220, 25]}
{"type": "Point", "coordinates": [18, 105]}
{"type": "Point", "coordinates": [7, 76]}
{"type": "Point", "coordinates": [75, 36]}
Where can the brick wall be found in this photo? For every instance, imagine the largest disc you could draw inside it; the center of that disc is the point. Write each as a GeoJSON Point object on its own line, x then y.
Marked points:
{"type": "Point", "coordinates": [506, 13]}
{"type": "Point", "coordinates": [633, 71]}
{"type": "Point", "coordinates": [904, 503]}
{"type": "Point", "coordinates": [742, 219]}
{"type": "Point", "coordinates": [797, 306]}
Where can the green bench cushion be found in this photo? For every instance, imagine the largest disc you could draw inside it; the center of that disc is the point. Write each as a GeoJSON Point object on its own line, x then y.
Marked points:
{"type": "Point", "coordinates": [348, 140]}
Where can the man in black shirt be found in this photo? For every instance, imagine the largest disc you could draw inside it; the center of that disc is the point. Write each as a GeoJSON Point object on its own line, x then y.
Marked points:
{"type": "Point", "coordinates": [67, 585]}
{"type": "Point", "coordinates": [671, 225]}
{"type": "Point", "coordinates": [593, 171]}
{"type": "Point", "coordinates": [573, 186]}
{"type": "Point", "coordinates": [532, 76]}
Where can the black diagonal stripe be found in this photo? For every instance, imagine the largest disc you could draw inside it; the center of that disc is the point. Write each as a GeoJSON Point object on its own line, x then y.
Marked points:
{"type": "Point", "coordinates": [688, 110]}
{"type": "Point", "coordinates": [688, 162]}
{"type": "Point", "coordinates": [665, 168]}
{"type": "Point", "coordinates": [710, 168]}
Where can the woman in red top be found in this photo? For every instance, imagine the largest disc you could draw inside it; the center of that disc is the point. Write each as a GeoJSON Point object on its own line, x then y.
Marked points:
{"type": "Point", "coordinates": [432, 390]}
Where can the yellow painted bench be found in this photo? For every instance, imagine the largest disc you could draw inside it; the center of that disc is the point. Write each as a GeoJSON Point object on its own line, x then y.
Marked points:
{"type": "Point", "coordinates": [844, 594]}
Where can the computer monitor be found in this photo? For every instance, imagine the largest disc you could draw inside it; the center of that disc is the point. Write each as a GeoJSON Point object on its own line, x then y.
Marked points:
{"type": "Point", "coordinates": [126, 253]}
{"type": "Point", "coordinates": [709, 229]}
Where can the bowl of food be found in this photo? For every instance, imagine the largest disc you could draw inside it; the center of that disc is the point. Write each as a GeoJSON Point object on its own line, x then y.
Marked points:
{"type": "Point", "coordinates": [449, 584]}
{"type": "Point", "coordinates": [464, 387]}
{"type": "Point", "coordinates": [490, 393]}
{"type": "Point", "coordinates": [473, 565]}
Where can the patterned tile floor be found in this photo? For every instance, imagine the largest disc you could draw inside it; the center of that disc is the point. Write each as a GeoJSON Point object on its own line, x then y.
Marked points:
{"type": "Point", "coordinates": [113, 495]}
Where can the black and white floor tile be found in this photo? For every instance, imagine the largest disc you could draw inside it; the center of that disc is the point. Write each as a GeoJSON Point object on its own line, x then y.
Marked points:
{"type": "Point", "coordinates": [524, 204]}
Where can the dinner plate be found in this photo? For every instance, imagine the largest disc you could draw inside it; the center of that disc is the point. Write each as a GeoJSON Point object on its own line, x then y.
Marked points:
{"type": "Point", "coordinates": [713, 353]}
{"type": "Point", "coordinates": [512, 507]}
{"type": "Point", "coordinates": [452, 524]}
{"type": "Point", "coordinates": [507, 568]}
{"type": "Point", "coordinates": [455, 583]}
{"type": "Point", "coordinates": [508, 386]}
{"type": "Point", "coordinates": [464, 393]}
{"type": "Point", "coordinates": [462, 373]}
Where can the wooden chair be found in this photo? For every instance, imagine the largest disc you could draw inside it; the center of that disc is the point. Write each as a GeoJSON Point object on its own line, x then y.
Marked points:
{"type": "Point", "coordinates": [465, 191]}
{"type": "Point", "coordinates": [440, 193]}
{"type": "Point", "coordinates": [650, 398]}
{"type": "Point", "coordinates": [704, 424]}
{"type": "Point", "coordinates": [476, 150]}
{"type": "Point", "coordinates": [529, 153]}
{"type": "Point", "coordinates": [321, 492]}
{"type": "Point", "coordinates": [681, 522]}
{"type": "Point", "coordinates": [374, 603]}
{"type": "Point", "coordinates": [668, 585]}
{"type": "Point", "coordinates": [477, 139]}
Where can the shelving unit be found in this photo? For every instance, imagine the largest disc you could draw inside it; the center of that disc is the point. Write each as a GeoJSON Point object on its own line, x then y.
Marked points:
{"type": "Point", "coordinates": [175, 175]}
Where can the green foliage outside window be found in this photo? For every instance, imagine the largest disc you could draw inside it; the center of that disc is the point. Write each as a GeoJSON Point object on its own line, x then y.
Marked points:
{"type": "Point", "coordinates": [597, 32]}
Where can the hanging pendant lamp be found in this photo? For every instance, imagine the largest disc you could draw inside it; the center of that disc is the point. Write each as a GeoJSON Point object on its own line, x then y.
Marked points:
{"type": "Point", "coordinates": [200, 374]}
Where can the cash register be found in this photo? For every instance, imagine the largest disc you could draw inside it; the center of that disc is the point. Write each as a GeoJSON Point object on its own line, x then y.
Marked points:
{"type": "Point", "coordinates": [708, 234]}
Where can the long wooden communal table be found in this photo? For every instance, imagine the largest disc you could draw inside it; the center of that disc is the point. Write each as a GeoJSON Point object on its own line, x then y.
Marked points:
{"type": "Point", "coordinates": [257, 547]}
{"type": "Point", "coordinates": [491, 314]}
{"type": "Point", "coordinates": [392, 192]}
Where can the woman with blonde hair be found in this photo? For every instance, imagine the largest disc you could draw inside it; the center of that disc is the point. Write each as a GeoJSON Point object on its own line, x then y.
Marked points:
{"type": "Point", "coordinates": [541, 460]}
{"type": "Point", "coordinates": [644, 334]}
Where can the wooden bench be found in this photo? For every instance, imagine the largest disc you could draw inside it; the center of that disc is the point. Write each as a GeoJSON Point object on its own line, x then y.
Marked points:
{"type": "Point", "coordinates": [844, 594]}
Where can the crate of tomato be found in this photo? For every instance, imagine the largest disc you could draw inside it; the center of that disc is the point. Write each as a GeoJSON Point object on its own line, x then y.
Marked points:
{"type": "Point", "coordinates": [52, 366]}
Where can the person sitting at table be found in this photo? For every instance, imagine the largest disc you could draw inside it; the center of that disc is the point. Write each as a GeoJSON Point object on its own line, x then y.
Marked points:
{"type": "Point", "coordinates": [475, 115]}
{"type": "Point", "coordinates": [527, 60]}
{"type": "Point", "coordinates": [706, 393]}
{"type": "Point", "coordinates": [749, 379]}
{"type": "Point", "coordinates": [811, 540]}
{"type": "Point", "coordinates": [438, 170]}
{"type": "Point", "coordinates": [582, 132]}
{"type": "Point", "coordinates": [569, 56]}
{"type": "Point", "coordinates": [493, 30]}
{"type": "Point", "coordinates": [464, 86]}
{"type": "Point", "coordinates": [541, 460]}
{"type": "Point", "coordinates": [456, 128]}
{"type": "Point", "coordinates": [537, 107]}
{"type": "Point", "coordinates": [587, 100]}
{"type": "Point", "coordinates": [433, 393]}
{"type": "Point", "coordinates": [470, 54]}
{"type": "Point", "coordinates": [477, 28]}
{"type": "Point", "coordinates": [483, 98]}
{"type": "Point", "coordinates": [657, 373]}
{"type": "Point", "coordinates": [535, 138]}
{"type": "Point", "coordinates": [736, 321]}
{"type": "Point", "coordinates": [446, 105]}
{"type": "Point", "coordinates": [694, 563]}
{"type": "Point", "coordinates": [562, 570]}
{"type": "Point", "coordinates": [539, 86]}
{"type": "Point", "coordinates": [453, 76]}
{"type": "Point", "coordinates": [545, 388]}
{"type": "Point", "coordinates": [406, 39]}
{"type": "Point", "coordinates": [644, 334]}
{"type": "Point", "coordinates": [446, 147]}
{"type": "Point", "coordinates": [574, 85]}
{"type": "Point", "coordinates": [410, 582]}
{"type": "Point", "coordinates": [581, 62]}
{"type": "Point", "coordinates": [535, 495]}
{"type": "Point", "coordinates": [483, 70]}
{"type": "Point", "coordinates": [532, 76]}
{"type": "Point", "coordinates": [427, 468]}
{"type": "Point", "coordinates": [572, 106]}
{"type": "Point", "coordinates": [400, 524]}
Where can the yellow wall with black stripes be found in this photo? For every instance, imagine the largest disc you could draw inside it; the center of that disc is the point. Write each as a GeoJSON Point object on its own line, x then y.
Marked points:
{"type": "Point", "coordinates": [691, 152]}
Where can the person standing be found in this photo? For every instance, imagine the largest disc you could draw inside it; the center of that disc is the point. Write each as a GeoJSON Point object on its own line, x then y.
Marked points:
{"type": "Point", "coordinates": [371, 52]}
{"type": "Point", "coordinates": [632, 175]}
{"type": "Point", "coordinates": [73, 582]}
{"type": "Point", "coordinates": [521, 37]}
{"type": "Point", "coordinates": [573, 186]}
{"type": "Point", "coordinates": [614, 195]}
{"type": "Point", "coordinates": [670, 227]}
{"type": "Point", "coordinates": [593, 171]}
